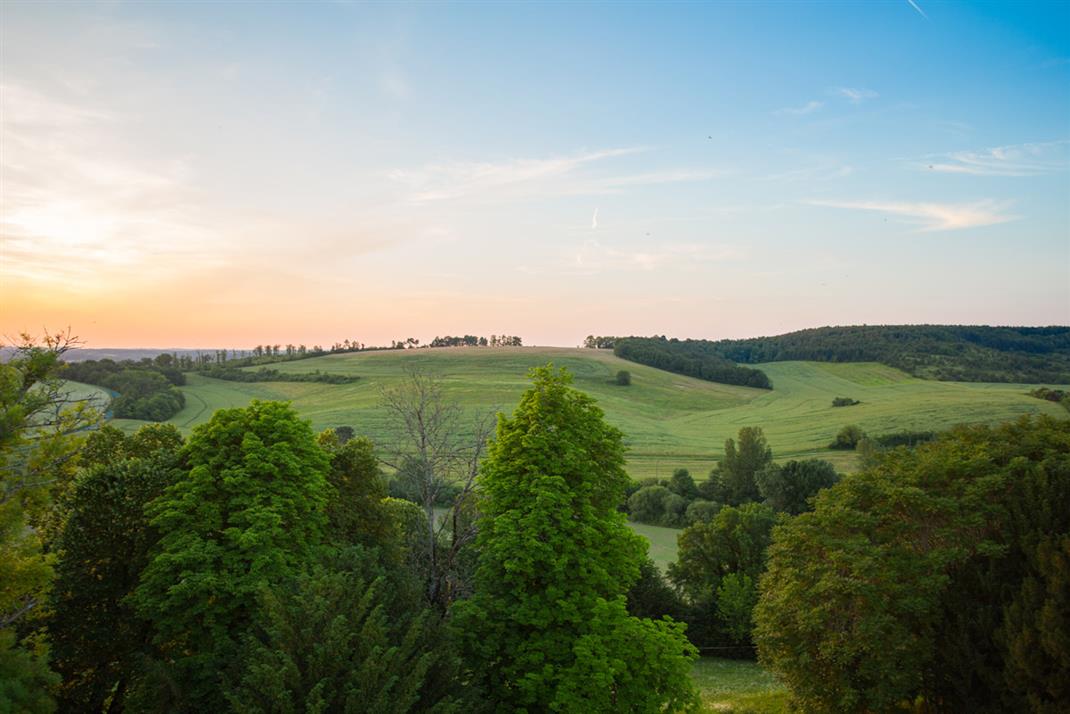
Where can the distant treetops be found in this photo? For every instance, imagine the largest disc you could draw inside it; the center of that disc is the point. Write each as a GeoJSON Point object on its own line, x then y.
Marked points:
{"type": "Point", "coordinates": [1030, 355]}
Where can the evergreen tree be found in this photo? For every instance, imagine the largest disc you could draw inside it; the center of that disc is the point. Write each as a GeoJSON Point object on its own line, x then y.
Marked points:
{"type": "Point", "coordinates": [547, 628]}
{"type": "Point", "coordinates": [330, 640]}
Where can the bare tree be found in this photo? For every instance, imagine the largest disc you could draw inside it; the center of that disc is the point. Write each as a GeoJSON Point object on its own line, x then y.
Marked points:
{"type": "Point", "coordinates": [442, 448]}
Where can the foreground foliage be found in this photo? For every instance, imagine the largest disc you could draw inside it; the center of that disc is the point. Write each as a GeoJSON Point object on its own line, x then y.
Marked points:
{"type": "Point", "coordinates": [330, 641]}
{"type": "Point", "coordinates": [938, 574]}
{"type": "Point", "coordinates": [547, 627]}
{"type": "Point", "coordinates": [249, 511]}
{"type": "Point", "coordinates": [97, 638]}
{"type": "Point", "coordinates": [40, 424]}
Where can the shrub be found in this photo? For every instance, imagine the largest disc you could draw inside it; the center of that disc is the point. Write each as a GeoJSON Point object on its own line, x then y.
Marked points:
{"type": "Point", "coordinates": [848, 438]}
{"type": "Point", "coordinates": [623, 378]}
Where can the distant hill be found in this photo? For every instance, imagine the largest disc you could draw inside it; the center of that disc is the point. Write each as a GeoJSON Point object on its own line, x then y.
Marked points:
{"type": "Point", "coordinates": [81, 354]}
{"type": "Point", "coordinates": [669, 420]}
{"type": "Point", "coordinates": [959, 353]}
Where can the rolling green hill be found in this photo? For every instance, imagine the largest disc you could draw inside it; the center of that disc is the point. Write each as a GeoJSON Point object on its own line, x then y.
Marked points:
{"type": "Point", "coordinates": [669, 420]}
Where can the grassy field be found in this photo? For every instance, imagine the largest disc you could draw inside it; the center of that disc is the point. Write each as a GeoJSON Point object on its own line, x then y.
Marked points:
{"type": "Point", "coordinates": [738, 686]}
{"type": "Point", "coordinates": [662, 543]}
{"type": "Point", "coordinates": [668, 420]}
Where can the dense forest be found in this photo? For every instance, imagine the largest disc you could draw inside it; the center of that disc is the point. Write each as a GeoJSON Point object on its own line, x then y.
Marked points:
{"type": "Point", "coordinates": [694, 358]}
{"type": "Point", "coordinates": [146, 388]}
{"type": "Point", "coordinates": [955, 353]}
{"type": "Point", "coordinates": [946, 352]}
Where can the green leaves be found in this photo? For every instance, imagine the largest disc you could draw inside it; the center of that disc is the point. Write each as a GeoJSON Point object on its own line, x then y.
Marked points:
{"type": "Point", "coordinates": [547, 627]}
{"type": "Point", "coordinates": [249, 512]}
{"type": "Point", "coordinates": [326, 641]}
{"type": "Point", "coordinates": [895, 586]}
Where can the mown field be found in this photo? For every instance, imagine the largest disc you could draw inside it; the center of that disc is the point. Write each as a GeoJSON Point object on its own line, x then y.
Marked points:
{"type": "Point", "coordinates": [668, 420]}
{"type": "Point", "coordinates": [738, 687]}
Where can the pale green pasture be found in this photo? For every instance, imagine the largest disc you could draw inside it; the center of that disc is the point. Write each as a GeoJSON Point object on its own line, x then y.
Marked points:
{"type": "Point", "coordinates": [668, 420]}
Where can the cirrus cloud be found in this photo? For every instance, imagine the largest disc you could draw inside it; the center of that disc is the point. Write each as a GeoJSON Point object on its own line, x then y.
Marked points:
{"type": "Point", "coordinates": [930, 216]}
{"type": "Point", "coordinates": [1030, 159]}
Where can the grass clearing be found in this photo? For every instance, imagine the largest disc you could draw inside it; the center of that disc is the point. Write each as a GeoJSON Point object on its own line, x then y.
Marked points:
{"type": "Point", "coordinates": [738, 686]}
{"type": "Point", "coordinates": [662, 543]}
{"type": "Point", "coordinates": [668, 420]}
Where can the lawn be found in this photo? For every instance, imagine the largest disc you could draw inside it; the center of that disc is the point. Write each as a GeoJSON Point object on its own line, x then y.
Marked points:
{"type": "Point", "coordinates": [662, 542]}
{"type": "Point", "coordinates": [668, 420]}
{"type": "Point", "coordinates": [738, 686]}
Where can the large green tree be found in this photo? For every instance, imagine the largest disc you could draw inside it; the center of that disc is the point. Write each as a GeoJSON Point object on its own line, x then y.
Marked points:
{"type": "Point", "coordinates": [547, 628]}
{"type": "Point", "coordinates": [40, 427]}
{"type": "Point", "coordinates": [788, 488]}
{"type": "Point", "coordinates": [97, 639]}
{"type": "Point", "coordinates": [345, 636]}
{"type": "Point", "coordinates": [735, 474]}
{"type": "Point", "coordinates": [355, 510]}
{"type": "Point", "coordinates": [248, 513]}
{"type": "Point", "coordinates": [717, 569]}
{"type": "Point", "coordinates": [931, 576]}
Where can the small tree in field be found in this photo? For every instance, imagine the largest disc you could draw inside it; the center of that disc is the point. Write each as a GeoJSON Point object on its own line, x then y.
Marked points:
{"type": "Point", "coordinates": [547, 628]}
{"type": "Point", "coordinates": [624, 378]}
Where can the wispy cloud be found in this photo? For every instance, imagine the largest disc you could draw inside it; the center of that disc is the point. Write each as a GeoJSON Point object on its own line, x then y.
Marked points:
{"type": "Point", "coordinates": [920, 11]}
{"type": "Point", "coordinates": [552, 176]}
{"type": "Point", "coordinates": [435, 182]}
{"type": "Point", "coordinates": [594, 220]}
{"type": "Point", "coordinates": [1012, 160]}
{"type": "Point", "coordinates": [75, 208]}
{"type": "Point", "coordinates": [808, 108]}
{"type": "Point", "coordinates": [933, 216]}
{"type": "Point", "coordinates": [855, 95]}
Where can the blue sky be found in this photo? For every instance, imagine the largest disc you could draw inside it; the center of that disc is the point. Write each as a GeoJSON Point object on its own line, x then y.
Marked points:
{"type": "Point", "coordinates": [181, 174]}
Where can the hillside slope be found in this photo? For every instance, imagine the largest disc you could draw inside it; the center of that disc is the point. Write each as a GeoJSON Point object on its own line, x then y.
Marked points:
{"type": "Point", "coordinates": [668, 420]}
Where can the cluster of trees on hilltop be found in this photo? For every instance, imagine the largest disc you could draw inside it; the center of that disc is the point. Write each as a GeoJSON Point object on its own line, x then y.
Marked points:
{"type": "Point", "coordinates": [593, 342]}
{"type": "Point", "coordinates": [946, 352]}
{"type": "Point", "coordinates": [476, 341]}
{"type": "Point", "coordinates": [146, 388]}
{"type": "Point", "coordinates": [268, 354]}
{"type": "Point", "coordinates": [258, 566]}
{"type": "Point", "coordinates": [694, 358]}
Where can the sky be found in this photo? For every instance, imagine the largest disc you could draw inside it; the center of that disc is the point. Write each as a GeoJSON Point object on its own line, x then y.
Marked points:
{"type": "Point", "coordinates": [179, 174]}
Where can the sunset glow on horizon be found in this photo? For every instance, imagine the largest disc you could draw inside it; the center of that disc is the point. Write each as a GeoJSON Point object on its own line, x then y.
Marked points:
{"type": "Point", "coordinates": [201, 175]}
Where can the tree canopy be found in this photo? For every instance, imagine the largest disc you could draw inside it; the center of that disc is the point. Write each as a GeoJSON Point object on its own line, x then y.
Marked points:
{"type": "Point", "coordinates": [249, 511]}
{"type": "Point", "coordinates": [547, 627]}
{"type": "Point", "coordinates": [936, 573]}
